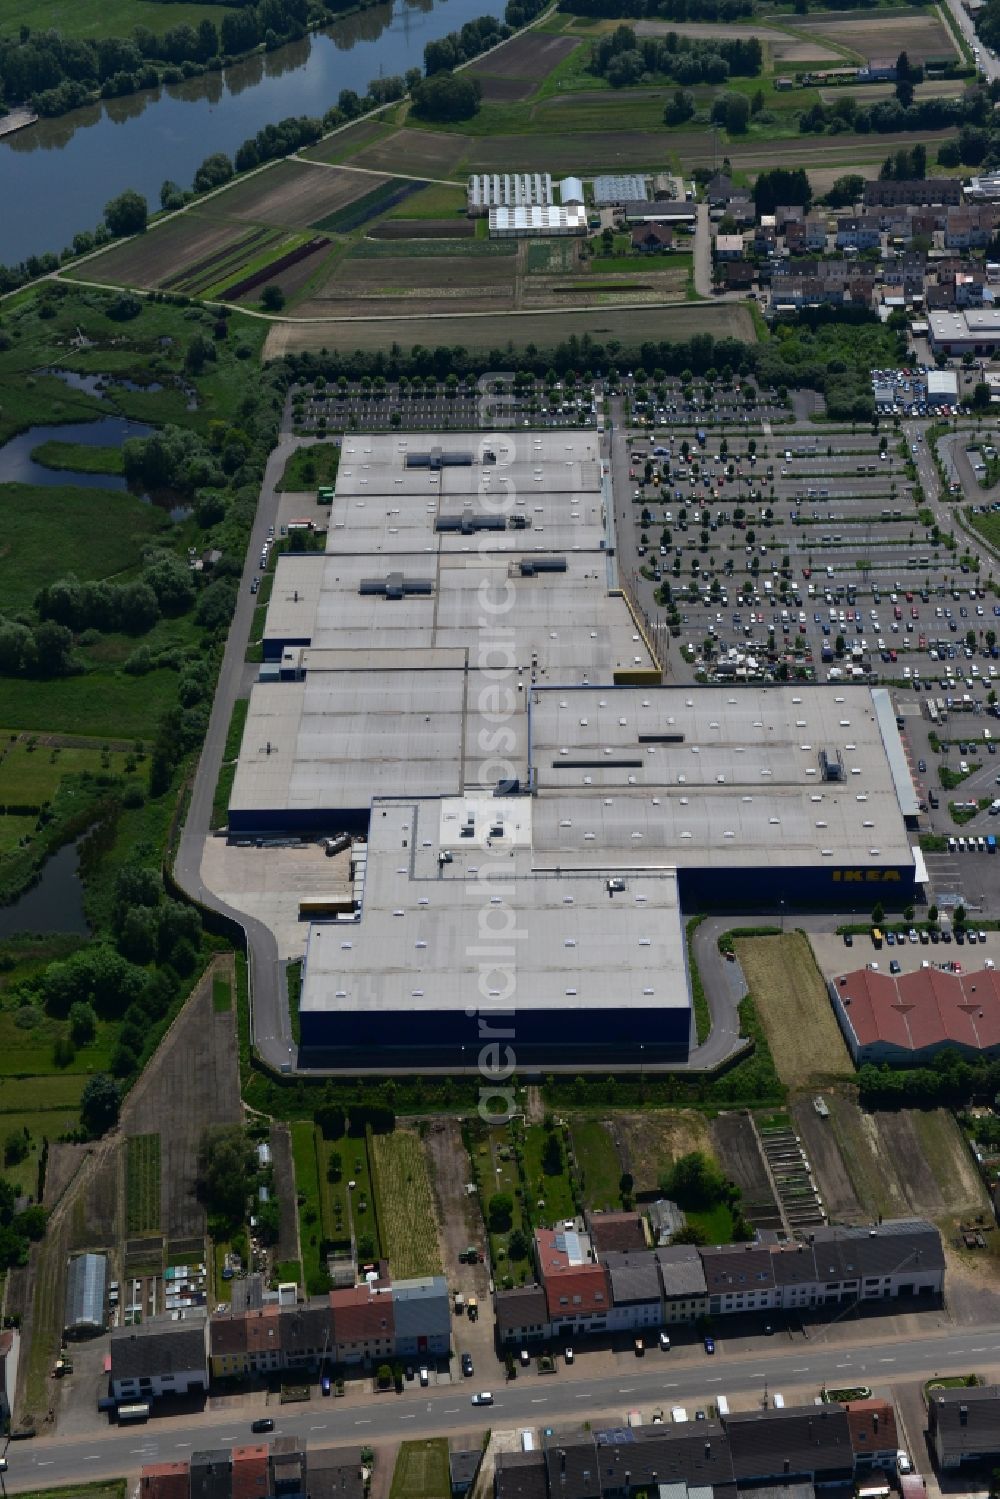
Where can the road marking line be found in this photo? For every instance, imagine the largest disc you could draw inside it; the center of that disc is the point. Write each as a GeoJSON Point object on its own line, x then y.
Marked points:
{"type": "Point", "coordinates": [538, 1400]}
{"type": "Point", "coordinates": [318, 1428]}
{"type": "Point", "coordinates": [366, 1422]}
{"type": "Point", "coordinates": [627, 1389]}
{"type": "Point", "coordinates": [451, 1411]}
{"type": "Point", "coordinates": [716, 1380]}
{"type": "Point", "coordinates": [182, 1444]}
{"type": "Point", "coordinates": [892, 1360]}
{"type": "Point", "coordinates": [408, 1418]}
{"type": "Point", "coordinates": [581, 1397]}
{"type": "Point", "coordinates": [47, 1463]}
{"type": "Point", "coordinates": [92, 1457]}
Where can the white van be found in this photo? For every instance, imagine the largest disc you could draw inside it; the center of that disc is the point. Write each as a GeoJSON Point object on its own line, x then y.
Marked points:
{"type": "Point", "coordinates": [678, 1414]}
{"type": "Point", "coordinates": [779, 1402]}
{"type": "Point", "coordinates": [722, 1405]}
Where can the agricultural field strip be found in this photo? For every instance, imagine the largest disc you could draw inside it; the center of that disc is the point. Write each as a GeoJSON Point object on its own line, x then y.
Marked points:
{"type": "Point", "coordinates": [142, 1183]}
{"type": "Point", "coordinates": [246, 241]}
{"type": "Point", "coordinates": [343, 166]}
{"type": "Point", "coordinates": [259, 252]}
{"type": "Point", "coordinates": [405, 1204]}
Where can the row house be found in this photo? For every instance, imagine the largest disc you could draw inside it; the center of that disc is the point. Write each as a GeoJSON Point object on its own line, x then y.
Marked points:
{"type": "Point", "coordinates": [918, 192]}
{"type": "Point", "coordinates": [356, 1324]}
{"type": "Point", "coordinates": [636, 1294]}
{"type": "Point", "coordinates": [964, 1426]}
{"type": "Point", "coordinates": [160, 1357]}
{"type": "Point", "coordinates": [969, 228]}
{"type": "Point", "coordinates": [807, 236]}
{"type": "Point", "coordinates": [765, 240]}
{"type": "Point", "coordinates": [807, 1445]}
{"type": "Point", "coordinates": [729, 246]}
{"type": "Point", "coordinates": [874, 1435]}
{"type": "Point", "coordinates": [258, 1471]}
{"type": "Point", "coordinates": [682, 1276]}
{"type": "Point", "coordinates": [859, 233]}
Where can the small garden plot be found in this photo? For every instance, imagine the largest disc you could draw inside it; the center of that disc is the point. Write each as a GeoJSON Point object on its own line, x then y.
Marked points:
{"type": "Point", "coordinates": [377, 201]}
{"type": "Point", "coordinates": [142, 1184]}
{"type": "Point", "coordinates": [413, 229]}
{"type": "Point", "coordinates": [191, 277]}
{"type": "Point", "coordinates": [598, 1163]}
{"type": "Point", "coordinates": [269, 267]}
{"type": "Point", "coordinates": [422, 1471]}
{"type": "Point", "coordinates": [405, 1204]}
{"type": "Point", "coordinates": [307, 1195]}
{"type": "Point", "coordinates": [546, 1173]}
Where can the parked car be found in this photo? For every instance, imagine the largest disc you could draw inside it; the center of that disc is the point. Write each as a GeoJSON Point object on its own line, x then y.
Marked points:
{"type": "Point", "coordinates": [709, 1345]}
{"type": "Point", "coordinates": [467, 1368]}
{"type": "Point", "coordinates": [263, 1423]}
{"type": "Point", "coordinates": [665, 1342]}
{"type": "Point", "coordinates": [484, 1397]}
{"type": "Point", "coordinates": [424, 1375]}
{"type": "Point", "coordinates": [568, 1355]}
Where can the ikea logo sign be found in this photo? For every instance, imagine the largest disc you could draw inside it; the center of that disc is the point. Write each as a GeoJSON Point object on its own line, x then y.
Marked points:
{"type": "Point", "coordinates": [865, 876]}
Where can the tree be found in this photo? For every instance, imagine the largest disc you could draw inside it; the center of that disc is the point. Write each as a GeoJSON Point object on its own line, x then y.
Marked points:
{"type": "Point", "coordinates": [214, 171]}
{"type": "Point", "coordinates": [691, 1233]}
{"type": "Point", "coordinates": [846, 190]}
{"type": "Point", "coordinates": [781, 185]}
{"type": "Point", "coordinates": [694, 1181]}
{"type": "Point", "coordinates": [82, 1023]}
{"type": "Point", "coordinates": [272, 298]}
{"type": "Point", "coordinates": [500, 1212]}
{"type": "Point", "coordinates": [447, 96]}
{"type": "Point", "coordinates": [552, 1154]}
{"type": "Point", "coordinates": [981, 396]}
{"type": "Point", "coordinates": [15, 1147]}
{"type": "Point", "coordinates": [127, 213]}
{"type": "Point", "coordinates": [878, 913]}
{"type": "Point", "coordinates": [171, 195]}
{"type": "Point", "coordinates": [518, 1245]}
{"type": "Point", "coordinates": [732, 111]}
{"type": "Point", "coordinates": [99, 1103]}
{"type": "Point", "coordinates": [680, 107]}
{"type": "Point", "coordinates": [904, 92]}
{"type": "Point", "coordinates": [226, 1168]}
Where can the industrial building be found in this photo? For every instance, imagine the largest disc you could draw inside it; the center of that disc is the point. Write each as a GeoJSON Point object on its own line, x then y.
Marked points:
{"type": "Point", "coordinates": [489, 190]}
{"type": "Point", "coordinates": [972, 331]}
{"type": "Point", "coordinates": [942, 388]}
{"type": "Point", "coordinates": [86, 1283]}
{"type": "Point", "coordinates": [907, 1019]}
{"type": "Point", "coordinates": [532, 222]}
{"type": "Point", "coordinates": [460, 685]}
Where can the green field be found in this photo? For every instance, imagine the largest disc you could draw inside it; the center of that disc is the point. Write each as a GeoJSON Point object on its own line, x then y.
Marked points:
{"type": "Point", "coordinates": [30, 773]}
{"type": "Point", "coordinates": [78, 457]}
{"type": "Point", "coordinates": [308, 468]}
{"type": "Point", "coordinates": [230, 756]}
{"type": "Point", "coordinates": [421, 1471]}
{"type": "Point", "coordinates": [222, 995]}
{"type": "Point", "coordinates": [142, 1184]}
{"type": "Point", "coordinates": [93, 704]}
{"type": "Point", "coordinates": [95, 18]}
{"type": "Point", "coordinates": [598, 1160]}
{"type": "Point", "coordinates": [304, 1135]}
{"type": "Point", "coordinates": [551, 1195]}
{"type": "Point", "coordinates": [104, 531]}
{"type": "Point", "coordinates": [405, 1205]}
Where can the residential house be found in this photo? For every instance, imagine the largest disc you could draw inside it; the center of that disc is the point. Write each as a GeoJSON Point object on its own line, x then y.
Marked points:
{"type": "Point", "coordinates": [571, 1461]}
{"type": "Point", "coordinates": [336, 1473]}
{"type": "Point", "coordinates": [636, 1303]}
{"type": "Point", "coordinates": [288, 1466]}
{"type": "Point", "coordinates": [619, 1231]}
{"type": "Point", "coordinates": [422, 1317]}
{"type": "Point", "coordinates": [165, 1481]}
{"type": "Point", "coordinates": [786, 214]}
{"type": "Point", "coordinates": [159, 1357]}
{"type": "Point", "coordinates": [719, 190]}
{"type": "Point", "coordinates": [649, 1458]}
{"type": "Point", "coordinates": [729, 247]}
{"type": "Point", "coordinates": [682, 1278]}
{"type": "Point", "coordinates": [264, 1340]}
{"type": "Point", "coordinates": [212, 1473]}
{"type": "Point", "coordinates": [651, 238]}
{"type": "Point", "coordinates": [737, 275]}
{"type": "Point", "coordinates": [858, 233]}
{"type": "Point", "coordinates": [227, 1341]}
{"type": "Point", "coordinates": [964, 1425]}
{"type": "Point", "coordinates": [463, 1465]}
{"type": "Point", "coordinates": [577, 1292]}
{"type": "Point", "coordinates": [521, 1315]}
{"type": "Point", "coordinates": [765, 242]}
{"type": "Point", "coordinates": [739, 1278]}
{"type": "Point", "coordinates": [901, 1257]}
{"type": "Point", "coordinates": [878, 70]}
{"type": "Point", "coordinates": [306, 1335]}
{"type": "Point", "coordinates": [874, 1438]}
{"type": "Point", "coordinates": [520, 1475]}
{"type": "Point", "coordinates": [665, 1217]}
{"type": "Point", "coordinates": [363, 1323]}
{"type": "Point", "coordinates": [968, 228]}
{"type": "Point", "coordinates": [250, 1471]}
{"type": "Point", "coordinates": [808, 1442]}
{"type": "Point", "coordinates": [919, 191]}
{"type": "Point", "coordinates": [816, 232]}
{"type": "Point", "coordinates": [795, 238]}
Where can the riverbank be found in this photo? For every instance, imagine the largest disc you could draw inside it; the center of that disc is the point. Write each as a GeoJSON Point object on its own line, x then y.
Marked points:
{"type": "Point", "coordinates": [17, 119]}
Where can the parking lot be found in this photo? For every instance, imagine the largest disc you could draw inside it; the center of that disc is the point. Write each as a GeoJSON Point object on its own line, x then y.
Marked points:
{"type": "Point", "coordinates": [427, 403]}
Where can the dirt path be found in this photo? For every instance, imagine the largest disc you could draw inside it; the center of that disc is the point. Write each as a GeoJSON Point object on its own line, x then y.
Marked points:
{"type": "Point", "coordinates": [459, 1224]}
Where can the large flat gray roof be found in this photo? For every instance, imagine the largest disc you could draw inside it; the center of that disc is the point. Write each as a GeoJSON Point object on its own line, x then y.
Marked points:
{"type": "Point", "coordinates": [715, 775]}
{"type": "Point", "coordinates": [419, 943]}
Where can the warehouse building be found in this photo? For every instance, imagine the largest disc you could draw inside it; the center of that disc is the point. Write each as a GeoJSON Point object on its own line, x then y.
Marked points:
{"type": "Point", "coordinates": [534, 764]}
{"type": "Point", "coordinates": [942, 388]}
{"type": "Point", "coordinates": [489, 190]}
{"type": "Point", "coordinates": [534, 222]}
{"type": "Point", "coordinates": [86, 1282]}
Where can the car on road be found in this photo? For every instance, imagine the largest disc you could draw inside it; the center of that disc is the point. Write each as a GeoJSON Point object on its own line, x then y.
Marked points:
{"type": "Point", "coordinates": [484, 1397]}
{"type": "Point", "coordinates": [922, 766]}
{"type": "Point", "coordinates": [255, 584]}
{"type": "Point", "coordinates": [263, 1423]}
{"type": "Point", "coordinates": [903, 1463]}
{"type": "Point", "coordinates": [709, 1345]}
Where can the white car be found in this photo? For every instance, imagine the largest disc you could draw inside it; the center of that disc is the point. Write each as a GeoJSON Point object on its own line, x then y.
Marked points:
{"type": "Point", "coordinates": [568, 1355]}
{"type": "Point", "coordinates": [903, 1463]}
{"type": "Point", "coordinates": [484, 1397]}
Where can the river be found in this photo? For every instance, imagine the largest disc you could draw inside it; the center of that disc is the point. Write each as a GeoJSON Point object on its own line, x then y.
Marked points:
{"type": "Point", "coordinates": [56, 176]}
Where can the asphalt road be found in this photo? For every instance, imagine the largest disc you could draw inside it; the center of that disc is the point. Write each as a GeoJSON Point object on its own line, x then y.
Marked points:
{"type": "Point", "coordinates": [686, 1376]}
{"type": "Point", "coordinates": [270, 1021]}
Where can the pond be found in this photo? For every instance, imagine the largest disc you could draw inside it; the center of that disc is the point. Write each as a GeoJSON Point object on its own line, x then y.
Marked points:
{"type": "Point", "coordinates": [55, 904]}
{"type": "Point", "coordinates": [18, 467]}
